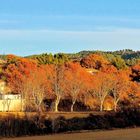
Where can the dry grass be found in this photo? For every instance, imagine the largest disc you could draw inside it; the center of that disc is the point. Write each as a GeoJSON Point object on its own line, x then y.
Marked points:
{"type": "Point", "coordinates": [122, 134]}
{"type": "Point", "coordinates": [51, 115]}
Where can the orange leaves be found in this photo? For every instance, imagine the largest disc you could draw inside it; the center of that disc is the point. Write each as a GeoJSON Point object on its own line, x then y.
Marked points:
{"type": "Point", "coordinates": [136, 68]}
{"type": "Point", "coordinates": [77, 76]}
{"type": "Point", "coordinates": [95, 61]}
{"type": "Point", "coordinates": [135, 88]}
{"type": "Point", "coordinates": [102, 79]}
{"type": "Point", "coordinates": [109, 69]}
{"type": "Point", "coordinates": [102, 83]}
{"type": "Point", "coordinates": [77, 81]}
{"type": "Point", "coordinates": [71, 80]}
{"type": "Point", "coordinates": [120, 86]}
{"type": "Point", "coordinates": [16, 69]}
{"type": "Point", "coordinates": [134, 93]}
{"type": "Point", "coordinates": [102, 87]}
{"type": "Point", "coordinates": [136, 72]}
{"type": "Point", "coordinates": [115, 84]}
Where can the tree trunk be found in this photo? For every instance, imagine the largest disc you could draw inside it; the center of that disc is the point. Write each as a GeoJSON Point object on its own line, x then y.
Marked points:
{"type": "Point", "coordinates": [4, 103]}
{"type": "Point", "coordinates": [22, 108]}
{"type": "Point", "coordinates": [56, 104]}
{"type": "Point", "coordinates": [8, 104]}
{"type": "Point", "coordinates": [72, 106]}
{"type": "Point", "coordinates": [115, 106]}
{"type": "Point", "coordinates": [101, 106]}
{"type": "Point", "coordinates": [39, 110]}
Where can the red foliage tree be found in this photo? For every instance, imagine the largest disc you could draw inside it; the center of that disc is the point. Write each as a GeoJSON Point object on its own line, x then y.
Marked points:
{"type": "Point", "coordinates": [16, 70]}
{"type": "Point", "coordinates": [136, 72]}
{"type": "Point", "coordinates": [102, 87]}
{"type": "Point", "coordinates": [120, 90]}
{"type": "Point", "coordinates": [95, 61]}
{"type": "Point", "coordinates": [78, 82]}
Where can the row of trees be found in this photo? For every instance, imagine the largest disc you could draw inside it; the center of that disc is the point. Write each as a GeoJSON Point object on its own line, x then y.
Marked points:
{"type": "Point", "coordinates": [69, 80]}
{"type": "Point", "coordinates": [120, 59]}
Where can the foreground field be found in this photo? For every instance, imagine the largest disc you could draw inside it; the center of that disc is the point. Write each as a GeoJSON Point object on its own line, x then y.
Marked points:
{"type": "Point", "coordinates": [51, 115]}
{"type": "Point", "coordinates": [122, 134]}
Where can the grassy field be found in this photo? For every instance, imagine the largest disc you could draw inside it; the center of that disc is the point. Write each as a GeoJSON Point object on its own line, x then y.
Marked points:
{"type": "Point", "coordinates": [121, 134]}
{"type": "Point", "coordinates": [51, 115]}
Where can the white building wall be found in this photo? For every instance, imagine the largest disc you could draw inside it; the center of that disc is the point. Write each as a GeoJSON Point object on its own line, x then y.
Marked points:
{"type": "Point", "coordinates": [10, 105]}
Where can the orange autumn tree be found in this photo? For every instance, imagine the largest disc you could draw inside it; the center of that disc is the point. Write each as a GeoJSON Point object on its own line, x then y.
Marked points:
{"type": "Point", "coordinates": [77, 80]}
{"type": "Point", "coordinates": [33, 90]}
{"type": "Point", "coordinates": [120, 86]}
{"type": "Point", "coordinates": [18, 73]}
{"type": "Point", "coordinates": [109, 69]}
{"type": "Point", "coordinates": [38, 88]}
{"type": "Point", "coordinates": [25, 77]}
{"type": "Point", "coordinates": [136, 72]}
{"type": "Point", "coordinates": [95, 61]}
{"type": "Point", "coordinates": [102, 87]}
{"type": "Point", "coordinates": [16, 69]}
{"type": "Point", "coordinates": [55, 76]}
{"type": "Point", "coordinates": [134, 93]}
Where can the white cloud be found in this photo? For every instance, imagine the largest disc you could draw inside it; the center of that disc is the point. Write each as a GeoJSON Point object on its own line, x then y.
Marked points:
{"type": "Point", "coordinates": [73, 40]}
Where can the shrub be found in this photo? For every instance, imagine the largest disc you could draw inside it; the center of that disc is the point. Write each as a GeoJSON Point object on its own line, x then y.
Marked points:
{"type": "Point", "coordinates": [15, 126]}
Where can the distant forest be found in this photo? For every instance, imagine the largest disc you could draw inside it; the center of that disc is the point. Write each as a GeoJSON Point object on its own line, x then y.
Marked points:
{"type": "Point", "coordinates": [127, 57]}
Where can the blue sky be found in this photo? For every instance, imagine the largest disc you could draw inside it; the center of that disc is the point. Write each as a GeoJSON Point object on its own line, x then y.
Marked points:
{"type": "Point", "coordinates": [37, 26]}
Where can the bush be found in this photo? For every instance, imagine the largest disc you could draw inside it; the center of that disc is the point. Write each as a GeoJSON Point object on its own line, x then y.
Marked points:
{"type": "Point", "coordinates": [75, 124]}
{"type": "Point", "coordinates": [59, 125]}
{"type": "Point", "coordinates": [12, 126]}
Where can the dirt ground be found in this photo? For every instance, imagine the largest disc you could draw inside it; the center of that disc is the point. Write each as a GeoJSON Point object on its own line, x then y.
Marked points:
{"type": "Point", "coordinates": [122, 134]}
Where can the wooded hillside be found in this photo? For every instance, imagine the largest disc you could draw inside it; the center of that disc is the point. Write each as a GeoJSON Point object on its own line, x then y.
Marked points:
{"type": "Point", "coordinates": [88, 80]}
